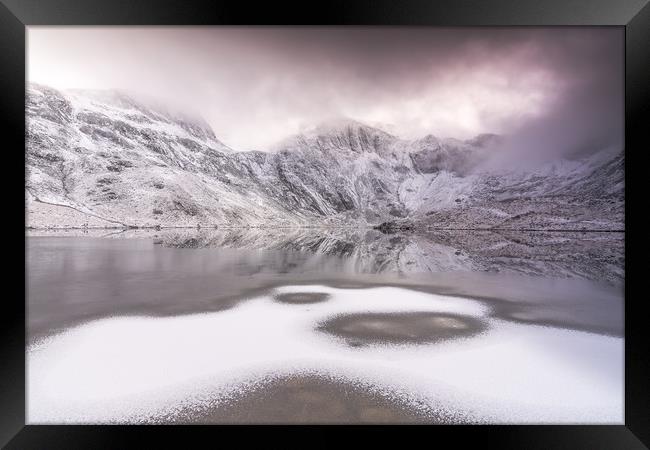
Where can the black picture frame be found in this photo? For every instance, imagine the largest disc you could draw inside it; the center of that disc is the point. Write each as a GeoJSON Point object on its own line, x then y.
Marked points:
{"type": "Point", "coordinates": [634, 15]}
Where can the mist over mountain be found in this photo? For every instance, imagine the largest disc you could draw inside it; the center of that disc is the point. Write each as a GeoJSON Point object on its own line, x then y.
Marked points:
{"type": "Point", "coordinates": [105, 158]}
{"type": "Point", "coordinates": [553, 91]}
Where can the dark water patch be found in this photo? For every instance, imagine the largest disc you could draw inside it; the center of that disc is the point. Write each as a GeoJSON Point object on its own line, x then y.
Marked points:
{"type": "Point", "coordinates": [401, 328]}
{"type": "Point", "coordinates": [313, 399]}
{"type": "Point", "coordinates": [300, 298]}
{"type": "Point", "coordinates": [570, 304]}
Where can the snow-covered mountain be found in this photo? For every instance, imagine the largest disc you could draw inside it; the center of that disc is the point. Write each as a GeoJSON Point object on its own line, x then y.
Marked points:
{"type": "Point", "coordinates": [106, 159]}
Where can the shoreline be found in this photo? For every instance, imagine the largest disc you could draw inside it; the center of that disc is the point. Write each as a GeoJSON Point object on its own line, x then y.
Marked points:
{"type": "Point", "coordinates": [325, 227]}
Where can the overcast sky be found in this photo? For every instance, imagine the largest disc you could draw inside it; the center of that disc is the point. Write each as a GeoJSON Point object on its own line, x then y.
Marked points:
{"type": "Point", "coordinates": [550, 89]}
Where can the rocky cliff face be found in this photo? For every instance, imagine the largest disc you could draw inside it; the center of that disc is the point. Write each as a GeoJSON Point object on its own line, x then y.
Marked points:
{"type": "Point", "coordinates": [107, 159]}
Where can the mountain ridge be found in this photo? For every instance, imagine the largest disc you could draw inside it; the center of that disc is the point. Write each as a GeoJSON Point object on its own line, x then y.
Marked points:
{"type": "Point", "coordinates": [109, 160]}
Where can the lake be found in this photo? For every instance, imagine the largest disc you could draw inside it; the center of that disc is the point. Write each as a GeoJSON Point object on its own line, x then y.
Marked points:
{"type": "Point", "coordinates": [324, 326]}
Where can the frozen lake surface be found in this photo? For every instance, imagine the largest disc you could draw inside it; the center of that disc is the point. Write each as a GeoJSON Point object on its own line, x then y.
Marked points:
{"type": "Point", "coordinates": [256, 326]}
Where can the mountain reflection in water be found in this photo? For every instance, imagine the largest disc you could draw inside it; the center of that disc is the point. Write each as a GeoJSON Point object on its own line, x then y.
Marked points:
{"type": "Point", "coordinates": [589, 255]}
{"type": "Point", "coordinates": [572, 280]}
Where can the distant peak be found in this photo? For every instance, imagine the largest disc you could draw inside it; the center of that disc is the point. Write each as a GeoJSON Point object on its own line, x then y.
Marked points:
{"type": "Point", "coordinates": [336, 125]}
{"type": "Point", "coordinates": [144, 104]}
{"type": "Point", "coordinates": [429, 139]}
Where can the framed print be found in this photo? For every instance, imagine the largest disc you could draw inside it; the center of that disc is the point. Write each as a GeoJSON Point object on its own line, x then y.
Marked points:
{"type": "Point", "coordinates": [367, 213]}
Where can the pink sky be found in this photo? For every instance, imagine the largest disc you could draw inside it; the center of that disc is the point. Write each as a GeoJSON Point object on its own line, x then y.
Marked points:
{"type": "Point", "coordinates": [255, 86]}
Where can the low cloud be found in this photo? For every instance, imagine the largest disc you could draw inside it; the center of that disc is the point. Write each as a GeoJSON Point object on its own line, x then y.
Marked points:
{"type": "Point", "coordinates": [550, 91]}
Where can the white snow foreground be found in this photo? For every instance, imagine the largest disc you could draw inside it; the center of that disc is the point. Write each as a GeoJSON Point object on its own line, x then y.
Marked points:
{"type": "Point", "coordinates": [138, 369]}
